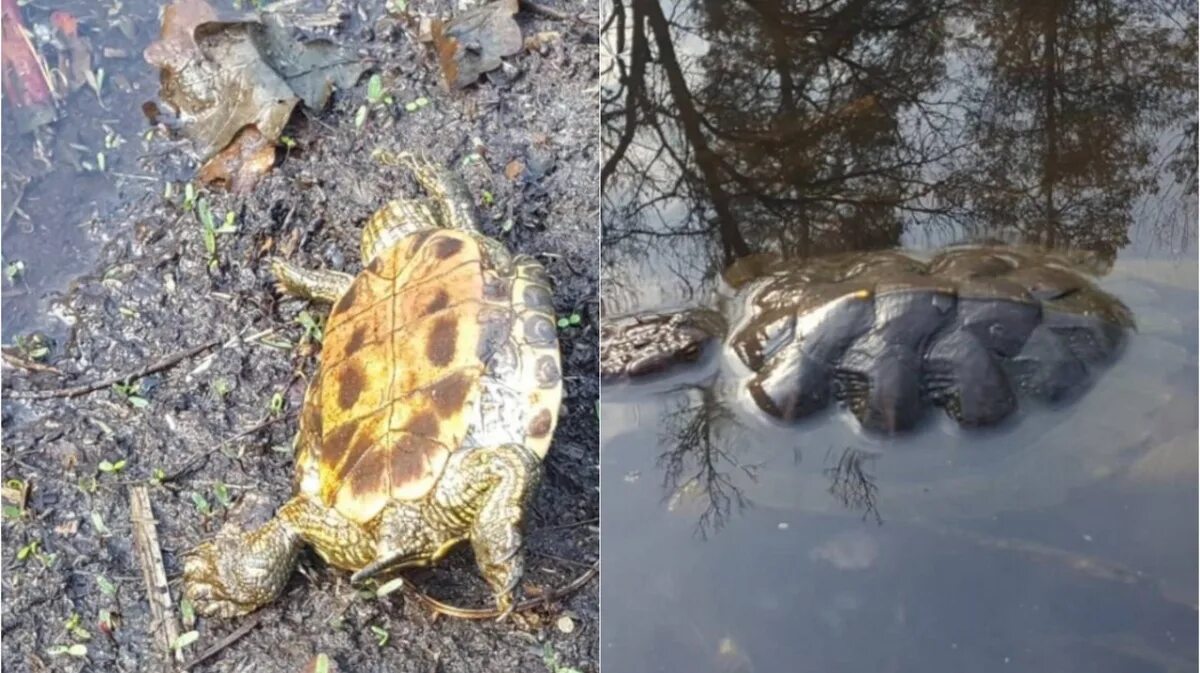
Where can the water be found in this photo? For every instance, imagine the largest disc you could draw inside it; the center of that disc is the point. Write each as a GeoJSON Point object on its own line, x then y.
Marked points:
{"type": "Point", "coordinates": [1062, 541]}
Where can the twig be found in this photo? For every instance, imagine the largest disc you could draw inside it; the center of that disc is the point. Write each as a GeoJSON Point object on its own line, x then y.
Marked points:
{"type": "Point", "coordinates": [492, 613]}
{"type": "Point", "coordinates": [233, 636]}
{"type": "Point", "coordinates": [156, 366]}
{"type": "Point", "coordinates": [565, 526]}
{"type": "Point", "coordinates": [552, 13]}
{"type": "Point", "coordinates": [145, 542]}
{"type": "Point", "coordinates": [28, 364]}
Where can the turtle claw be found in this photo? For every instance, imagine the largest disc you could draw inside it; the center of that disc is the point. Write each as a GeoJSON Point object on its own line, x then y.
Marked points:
{"type": "Point", "coordinates": [238, 572]}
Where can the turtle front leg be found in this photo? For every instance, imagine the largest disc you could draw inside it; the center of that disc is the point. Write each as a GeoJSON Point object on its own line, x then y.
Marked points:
{"type": "Point", "coordinates": [513, 472]}
{"type": "Point", "coordinates": [317, 284]}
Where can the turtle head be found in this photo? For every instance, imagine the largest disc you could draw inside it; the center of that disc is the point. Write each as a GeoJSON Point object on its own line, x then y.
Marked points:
{"type": "Point", "coordinates": [647, 343]}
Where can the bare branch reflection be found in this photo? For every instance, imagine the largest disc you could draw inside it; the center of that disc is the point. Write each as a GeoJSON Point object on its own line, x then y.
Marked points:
{"type": "Point", "coordinates": [701, 462]}
{"type": "Point", "coordinates": [853, 484]}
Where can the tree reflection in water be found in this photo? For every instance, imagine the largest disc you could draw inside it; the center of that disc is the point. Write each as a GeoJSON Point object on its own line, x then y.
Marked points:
{"type": "Point", "coordinates": [808, 127]}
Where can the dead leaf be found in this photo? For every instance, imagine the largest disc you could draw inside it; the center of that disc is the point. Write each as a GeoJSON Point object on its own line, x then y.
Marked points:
{"type": "Point", "coordinates": [514, 169]}
{"type": "Point", "coordinates": [472, 43]}
{"type": "Point", "coordinates": [241, 165]}
{"type": "Point", "coordinates": [75, 58]}
{"type": "Point", "coordinates": [540, 41]}
{"type": "Point", "coordinates": [221, 76]}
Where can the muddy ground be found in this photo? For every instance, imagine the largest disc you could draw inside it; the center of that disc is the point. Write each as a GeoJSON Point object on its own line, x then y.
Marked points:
{"type": "Point", "coordinates": [208, 431]}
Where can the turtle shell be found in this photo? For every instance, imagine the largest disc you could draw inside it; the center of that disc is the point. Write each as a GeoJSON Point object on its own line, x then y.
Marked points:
{"type": "Point", "coordinates": [442, 342]}
{"type": "Point", "coordinates": [889, 334]}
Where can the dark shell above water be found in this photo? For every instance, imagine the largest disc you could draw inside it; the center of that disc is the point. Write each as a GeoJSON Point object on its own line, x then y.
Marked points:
{"type": "Point", "coordinates": [972, 330]}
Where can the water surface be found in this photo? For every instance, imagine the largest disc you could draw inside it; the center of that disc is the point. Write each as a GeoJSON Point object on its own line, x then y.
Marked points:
{"type": "Point", "coordinates": [1064, 540]}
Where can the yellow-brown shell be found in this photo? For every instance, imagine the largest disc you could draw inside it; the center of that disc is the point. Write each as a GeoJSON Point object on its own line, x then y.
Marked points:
{"type": "Point", "coordinates": [428, 325]}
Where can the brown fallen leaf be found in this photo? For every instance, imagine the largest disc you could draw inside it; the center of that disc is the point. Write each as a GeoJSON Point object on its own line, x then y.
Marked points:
{"type": "Point", "coordinates": [473, 42]}
{"type": "Point", "coordinates": [514, 169]}
{"type": "Point", "coordinates": [241, 165]}
{"type": "Point", "coordinates": [222, 76]}
{"type": "Point", "coordinates": [215, 79]}
{"type": "Point", "coordinates": [540, 41]}
{"type": "Point", "coordinates": [75, 58]}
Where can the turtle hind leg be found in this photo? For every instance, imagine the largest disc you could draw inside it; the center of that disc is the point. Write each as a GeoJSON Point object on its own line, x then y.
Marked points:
{"type": "Point", "coordinates": [393, 222]}
{"type": "Point", "coordinates": [317, 284]}
{"type": "Point", "coordinates": [243, 570]}
{"type": "Point", "coordinates": [513, 472]}
{"type": "Point", "coordinates": [240, 570]}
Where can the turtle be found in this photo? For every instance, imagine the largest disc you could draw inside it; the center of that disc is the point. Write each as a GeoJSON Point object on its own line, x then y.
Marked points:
{"type": "Point", "coordinates": [890, 333]}
{"type": "Point", "coordinates": [426, 422]}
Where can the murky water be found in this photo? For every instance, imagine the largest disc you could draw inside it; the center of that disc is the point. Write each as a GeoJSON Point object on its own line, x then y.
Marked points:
{"type": "Point", "coordinates": [1063, 540]}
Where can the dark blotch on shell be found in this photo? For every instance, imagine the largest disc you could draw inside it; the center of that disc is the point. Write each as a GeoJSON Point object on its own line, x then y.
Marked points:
{"type": "Point", "coordinates": [539, 427]}
{"type": "Point", "coordinates": [548, 375]}
{"type": "Point", "coordinates": [440, 301]}
{"type": "Point", "coordinates": [408, 458]}
{"type": "Point", "coordinates": [347, 299]}
{"type": "Point", "coordinates": [357, 338]}
{"type": "Point", "coordinates": [424, 424]}
{"type": "Point", "coordinates": [539, 330]}
{"type": "Point", "coordinates": [446, 247]}
{"type": "Point", "coordinates": [337, 443]}
{"type": "Point", "coordinates": [439, 348]}
{"type": "Point", "coordinates": [350, 383]}
{"type": "Point", "coordinates": [449, 394]}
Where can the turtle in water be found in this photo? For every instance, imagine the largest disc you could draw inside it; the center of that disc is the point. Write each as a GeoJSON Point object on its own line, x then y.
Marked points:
{"type": "Point", "coordinates": [427, 421]}
{"type": "Point", "coordinates": [889, 333]}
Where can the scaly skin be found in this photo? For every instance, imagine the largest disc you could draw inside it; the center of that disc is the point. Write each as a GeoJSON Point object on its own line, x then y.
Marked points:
{"type": "Point", "coordinates": [481, 495]}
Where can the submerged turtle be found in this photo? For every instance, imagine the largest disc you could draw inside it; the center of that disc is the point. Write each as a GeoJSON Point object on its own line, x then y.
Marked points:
{"type": "Point", "coordinates": [427, 421]}
{"type": "Point", "coordinates": [889, 333]}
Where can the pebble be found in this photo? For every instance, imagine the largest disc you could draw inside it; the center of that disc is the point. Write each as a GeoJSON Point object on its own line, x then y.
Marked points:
{"type": "Point", "coordinates": [565, 624]}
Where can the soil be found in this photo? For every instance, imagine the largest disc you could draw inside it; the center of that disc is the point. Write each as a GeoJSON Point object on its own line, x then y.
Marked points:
{"type": "Point", "coordinates": [212, 428]}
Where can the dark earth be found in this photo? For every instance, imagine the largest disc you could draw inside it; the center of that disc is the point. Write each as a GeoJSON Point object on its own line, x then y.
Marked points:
{"type": "Point", "coordinates": [125, 266]}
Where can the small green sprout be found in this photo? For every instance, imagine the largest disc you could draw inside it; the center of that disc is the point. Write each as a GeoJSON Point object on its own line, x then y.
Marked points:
{"type": "Point", "coordinates": [312, 329]}
{"type": "Point", "coordinates": [187, 613]}
{"type": "Point", "coordinates": [184, 640]}
{"type": "Point", "coordinates": [106, 586]}
{"type": "Point", "coordinates": [14, 270]}
{"type": "Point", "coordinates": [488, 199]}
{"type": "Point", "coordinates": [12, 512]}
{"type": "Point", "coordinates": [189, 197]}
{"type": "Point", "coordinates": [381, 635]}
{"type": "Point", "coordinates": [98, 524]}
{"type": "Point", "coordinates": [36, 346]}
{"type": "Point", "coordinates": [131, 393]}
{"type": "Point", "coordinates": [158, 476]}
{"type": "Point", "coordinates": [414, 105]}
{"type": "Point", "coordinates": [78, 650]}
{"type": "Point", "coordinates": [221, 491]}
{"type": "Point", "coordinates": [29, 549]}
{"type": "Point", "coordinates": [221, 387]}
{"type": "Point", "coordinates": [569, 320]}
{"type": "Point", "coordinates": [72, 627]}
{"type": "Point", "coordinates": [288, 142]}
{"type": "Point", "coordinates": [111, 468]}
{"type": "Point", "coordinates": [375, 89]}
{"type": "Point", "coordinates": [201, 504]}
{"type": "Point", "coordinates": [360, 116]}
{"type": "Point", "coordinates": [276, 404]}
{"type": "Point", "coordinates": [107, 621]}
